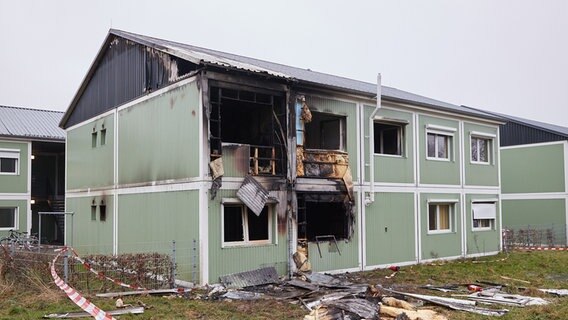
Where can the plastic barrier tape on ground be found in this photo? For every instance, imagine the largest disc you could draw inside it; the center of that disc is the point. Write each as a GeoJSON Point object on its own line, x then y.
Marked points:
{"type": "Point", "coordinates": [540, 248]}
{"type": "Point", "coordinates": [101, 275]}
{"type": "Point", "coordinates": [75, 296]}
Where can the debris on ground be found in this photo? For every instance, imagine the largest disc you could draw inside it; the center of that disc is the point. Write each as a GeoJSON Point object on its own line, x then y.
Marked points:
{"type": "Point", "coordinates": [398, 313]}
{"type": "Point", "coordinates": [558, 292]}
{"type": "Point", "coordinates": [498, 297]}
{"type": "Point", "coordinates": [72, 315]}
{"type": "Point", "coordinates": [250, 278]}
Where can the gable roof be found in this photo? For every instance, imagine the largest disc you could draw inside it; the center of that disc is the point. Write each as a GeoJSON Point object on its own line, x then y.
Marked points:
{"type": "Point", "coordinates": [32, 124]}
{"type": "Point", "coordinates": [552, 128]}
{"type": "Point", "coordinates": [204, 56]}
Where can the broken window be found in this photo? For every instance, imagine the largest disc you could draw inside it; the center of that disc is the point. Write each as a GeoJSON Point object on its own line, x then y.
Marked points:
{"type": "Point", "coordinates": [8, 218]}
{"type": "Point", "coordinates": [324, 216]}
{"type": "Point", "coordinates": [388, 138]}
{"type": "Point", "coordinates": [440, 217]}
{"type": "Point", "coordinates": [251, 118]}
{"type": "Point", "coordinates": [325, 131]}
{"type": "Point", "coordinates": [242, 226]}
{"type": "Point", "coordinates": [480, 150]}
{"type": "Point", "coordinates": [9, 161]}
{"type": "Point", "coordinates": [483, 215]}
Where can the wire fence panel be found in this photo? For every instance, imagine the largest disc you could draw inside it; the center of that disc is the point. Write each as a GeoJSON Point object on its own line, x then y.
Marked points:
{"type": "Point", "coordinates": [147, 266]}
{"type": "Point", "coordinates": [547, 236]}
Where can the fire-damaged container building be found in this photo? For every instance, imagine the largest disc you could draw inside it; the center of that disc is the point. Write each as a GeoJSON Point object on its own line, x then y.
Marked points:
{"type": "Point", "coordinates": [264, 164]}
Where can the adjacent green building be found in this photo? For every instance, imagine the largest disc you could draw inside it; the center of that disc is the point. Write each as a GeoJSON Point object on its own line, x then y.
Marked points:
{"type": "Point", "coordinates": [245, 163]}
{"type": "Point", "coordinates": [32, 167]}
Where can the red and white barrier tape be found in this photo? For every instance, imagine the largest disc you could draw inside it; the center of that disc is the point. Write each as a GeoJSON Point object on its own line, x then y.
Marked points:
{"type": "Point", "coordinates": [75, 296]}
{"type": "Point", "coordinates": [540, 248]}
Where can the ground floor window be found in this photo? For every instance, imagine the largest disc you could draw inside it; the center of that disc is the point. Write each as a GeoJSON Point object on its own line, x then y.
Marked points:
{"type": "Point", "coordinates": [483, 215]}
{"type": "Point", "coordinates": [241, 226]}
{"type": "Point", "coordinates": [440, 217]}
{"type": "Point", "coordinates": [8, 218]}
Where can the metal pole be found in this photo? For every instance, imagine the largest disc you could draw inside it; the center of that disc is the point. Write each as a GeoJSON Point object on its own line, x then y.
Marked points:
{"type": "Point", "coordinates": [39, 227]}
{"type": "Point", "coordinates": [173, 280]}
{"type": "Point", "coordinates": [66, 267]}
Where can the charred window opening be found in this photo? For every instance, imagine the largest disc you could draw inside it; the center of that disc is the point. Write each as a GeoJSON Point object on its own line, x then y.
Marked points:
{"type": "Point", "coordinates": [251, 118]}
{"type": "Point", "coordinates": [324, 215]}
{"type": "Point", "coordinates": [93, 213]}
{"type": "Point", "coordinates": [242, 226]}
{"type": "Point", "coordinates": [325, 131]}
{"type": "Point", "coordinates": [388, 138]}
{"type": "Point", "coordinates": [102, 212]}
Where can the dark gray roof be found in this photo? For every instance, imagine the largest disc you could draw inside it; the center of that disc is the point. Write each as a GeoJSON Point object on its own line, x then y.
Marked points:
{"type": "Point", "coordinates": [217, 58]}
{"type": "Point", "coordinates": [563, 131]}
{"type": "Point", "coordinates": [32, 124]}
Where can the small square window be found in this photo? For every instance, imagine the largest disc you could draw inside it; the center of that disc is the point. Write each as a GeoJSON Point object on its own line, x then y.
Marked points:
{"type": "Point", "coordinates": [438, 146]}
{"type": "Point", "coordinates": [8, 218]}
{"type": "Point", "coordinates": [93, 213]}
{"type": "Point", "coordinates": [440, 217]}
{"type": "Point", "coordinates": [480, 150]}
{"type": "Point", "coordinates": [483, 215]}
{"type": "Point", "coordinates": [94, 139]}
{"type": "Point", "coordinates": [388, 138]}
{"type": "Point", "coordinates": [103, 137]}
{"type": "Point", "coordinates": [9, 161]}
{"type": "Point", "coordinates": [242, 226]}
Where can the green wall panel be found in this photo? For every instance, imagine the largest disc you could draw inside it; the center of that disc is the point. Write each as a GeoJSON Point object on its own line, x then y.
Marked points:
{"type": "Point", "coordinates": [88, 236]}
{"type": "Point", "coordinates": [481, 174]}
{"type": "Point", "coordinates": [536, 213]}
{"type": "Point", "coordinates": [342, 108]}
{"type": "Point", "coordinates": [22, 217]}
{"type": "Point", "coordinates": [89, 167]}
{"type": "Point", "coordinates": [16, 183]}
{"type": "Point", "coordinates": [434, 171]}
{"type": "Point", "coordinates": [229, 260]}
{"type": "Point", "coordinates": [159, 137]}
{"type": "Point", "coordinates": [440, 245]}
{"type": "Point", "coordinates": [392, 168]}
{"type": "Point", "coordinates": [390, 229]}
{"type": "Point", "coordinates": [481, 241]}
{"type": "Point", "coordinates": [537, 168]}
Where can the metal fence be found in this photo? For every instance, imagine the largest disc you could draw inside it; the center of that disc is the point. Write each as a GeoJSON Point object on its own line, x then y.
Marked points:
{"type": "Point", "coordinates": [147, 265]}
{"type": "Point", "coordinates": [535, 236]}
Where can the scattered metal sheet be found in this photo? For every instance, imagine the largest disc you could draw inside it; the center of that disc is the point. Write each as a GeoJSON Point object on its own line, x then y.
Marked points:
{"type": "Point", "coordinates": [558, 292]}
{"type": "Point", "coordinates": [447, 288]}
{"type": "Point", "coordinates": [303, 284]}
{"type": "Point", "coordinates": [71, 315]}
{"type": "Point", "coordinates": [242, 295]}
{"type": "Point", "coordinates": [361, 307]}
{"type": "Point", "coordinates": [253, 194]}
{"type": "Point", "coordinates": [494, 296]}
{"type": "Point", "coordinates": [325, 280]}
{"type": "Point", "coordinates": [141, 292]}
{"type": "Point", "coordinates": [455, 304]}
{"type": "Point", "coordinates": [327, 298]}
{"type": "Point", "coordinates": [250, 278]}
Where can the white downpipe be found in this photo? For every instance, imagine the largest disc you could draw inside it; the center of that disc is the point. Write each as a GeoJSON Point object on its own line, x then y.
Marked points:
{"type": "Point", "coordinates": [371, 197]}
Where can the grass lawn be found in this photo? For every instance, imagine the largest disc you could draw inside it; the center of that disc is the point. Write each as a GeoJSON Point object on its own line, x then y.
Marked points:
{"type": "Point", "coordinates": [542, 269]}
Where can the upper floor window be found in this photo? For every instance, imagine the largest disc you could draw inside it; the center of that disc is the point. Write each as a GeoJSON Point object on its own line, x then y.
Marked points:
{"type": "Point", "coordinates": [388, 138]}
{"type": "Point", "coordinates": [8, 218]}
{"type": "Point", "coordinates": [325, 131]}
{"type": "Point", "coordinates": [481, 147]}
{"type": "Point", "coordinates": [10, 162]}
{"type": "Point", "coordinates": [439, 142]}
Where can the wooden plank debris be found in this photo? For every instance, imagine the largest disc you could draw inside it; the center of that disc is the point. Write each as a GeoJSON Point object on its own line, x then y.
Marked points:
{"type": "Point", "coordinates": [72, 315]}
{"type": "Point", "coordinates": [361, 307]}
{"type": "Point", "coordinates": [423, 314]}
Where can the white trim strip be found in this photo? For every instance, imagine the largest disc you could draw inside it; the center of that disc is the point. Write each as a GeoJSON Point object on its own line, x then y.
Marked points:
{"type": "Point", "coordinates": [482, 134]}
{"type": "Point", "coordinates": [528, 145]}
{"type": "Point", "coordinates": [534, 196]}
{"type": "Point", "coordinates": [14, 196]}
{"type": "Point", "coordinates": [442, 129]}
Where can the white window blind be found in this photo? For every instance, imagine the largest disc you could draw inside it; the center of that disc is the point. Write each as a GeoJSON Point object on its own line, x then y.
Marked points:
{"type": "Point", "coordinates": [484, 211]}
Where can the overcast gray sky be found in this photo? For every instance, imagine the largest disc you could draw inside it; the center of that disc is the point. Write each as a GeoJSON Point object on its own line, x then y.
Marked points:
{"type": "Point", "coordinates": [505, 56]}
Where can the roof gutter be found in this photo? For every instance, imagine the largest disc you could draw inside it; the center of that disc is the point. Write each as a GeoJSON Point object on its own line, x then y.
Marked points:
{"type": "Point", "coordinates": [371, 196]}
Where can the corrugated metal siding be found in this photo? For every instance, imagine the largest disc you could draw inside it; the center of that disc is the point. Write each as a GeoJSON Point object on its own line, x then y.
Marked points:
{"type": "Point", "coordinates": [30, 123]}
{"type": "Point", "coordinates": [514, 133]}
{"type": "Point", "coordinates": [126, 71]}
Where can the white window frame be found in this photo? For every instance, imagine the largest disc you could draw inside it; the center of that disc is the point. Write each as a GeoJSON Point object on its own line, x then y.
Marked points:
{"type": "Point", "coordinates": [451, 205]}
{"type": "Point", "coordinates": [491, 220]}
{"type": "Point", "coordinates": [490, 138]}
{"type": "Point", "coordinates": [16, 215]}
{"type": "Point", "coordinates": [401, 124]}
{"type": "Point", "coordinates": [448, 133]}
{"type": "Point", "coordinates": [11, 154]}
{"type": "Point", "coordinates": [246, 242]}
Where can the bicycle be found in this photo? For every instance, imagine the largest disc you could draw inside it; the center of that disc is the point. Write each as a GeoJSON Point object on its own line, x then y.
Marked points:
{"type": "Point", "coordinates": [20, 239]}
